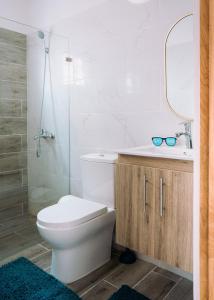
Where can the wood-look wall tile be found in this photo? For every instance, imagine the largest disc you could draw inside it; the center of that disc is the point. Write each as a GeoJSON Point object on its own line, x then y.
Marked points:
{"type": "Point", "coordinates": [12, 38]}
{"type": "Point", "coordinates": [12, 54]}
{"type": "Point", "coordinates": [12, 108]}
{"type": "Point", "coordinates": [13, 72]}
{"type": "Point", "coordinates": [10, 181]}
{"type": "Point", "coordinates": [24, 142]}
{"type": "Point", "coordinates": [11, 199]}
{"type": "Point", "coordinates": [13, 161]}
{"type": "Point", "coordinates": [24, 108]}
{"type": "Point", "coordinates": [9, 126]}
{"type": "Point", "coordinates": [10, 213]}
{"type": "Point", "coordinates": [12, 90]}
{"type": "Point", "coordinates": [10, 144]}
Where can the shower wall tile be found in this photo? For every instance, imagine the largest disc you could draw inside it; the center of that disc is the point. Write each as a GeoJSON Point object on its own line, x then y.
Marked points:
{"type": "Point", "coordinates": [12, 54]}
{"type": "Point", "coordinates": [11, 108]}
{"type": "Point", "coordinates": [24, 142]}
{"type": "Point", "coordinates": [24, 108]}
{"type": "Point", "coordinates": [9, 126]}
{"type": "Point", "coordinates": [11, 181]}
{"type": "Point", "coordinates": [11, 143]}
{"type": "Point", "coordinates": [15, 161]}
{"type": "Point", "coordinates": [12, 38]}
{"type": "Point", "coordinates": [11, 90]}
{"type": "Point", "coordinates": [12, 72]}
{"type": "Point", "coordinates": [13, 123]}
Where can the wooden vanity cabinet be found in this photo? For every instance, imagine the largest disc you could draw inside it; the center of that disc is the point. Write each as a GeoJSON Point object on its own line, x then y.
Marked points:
{"type": "Point", "coordinates": [154, 208]}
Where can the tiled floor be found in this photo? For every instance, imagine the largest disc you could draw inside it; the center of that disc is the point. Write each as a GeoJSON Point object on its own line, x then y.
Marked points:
{"type": "Point", "coordinates": [19, 237]}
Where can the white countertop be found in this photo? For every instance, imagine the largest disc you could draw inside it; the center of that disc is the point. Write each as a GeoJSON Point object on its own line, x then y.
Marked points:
{"type": "Point", "coordinates": [176, 152]}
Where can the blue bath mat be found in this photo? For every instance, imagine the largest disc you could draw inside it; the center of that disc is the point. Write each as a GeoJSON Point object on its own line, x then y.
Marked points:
{"type": "Point", "coordinates": [22, 280]}
{"type": "Point", "coordinates": [126, 293]}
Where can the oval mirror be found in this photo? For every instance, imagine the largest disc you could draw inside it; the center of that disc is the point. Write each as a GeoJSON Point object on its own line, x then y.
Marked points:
{"type": "Point", "coordinates": [179, 68]}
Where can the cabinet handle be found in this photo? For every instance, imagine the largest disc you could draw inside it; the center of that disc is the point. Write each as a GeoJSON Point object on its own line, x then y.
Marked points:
{"type": "Point", "coordinates": [161, 197]}
{"type": "Point", "coordinates": [145, 193]}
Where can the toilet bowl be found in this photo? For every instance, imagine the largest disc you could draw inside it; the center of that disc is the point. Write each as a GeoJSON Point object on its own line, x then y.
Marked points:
{"type": "Point", "coordinates": [80, 230]}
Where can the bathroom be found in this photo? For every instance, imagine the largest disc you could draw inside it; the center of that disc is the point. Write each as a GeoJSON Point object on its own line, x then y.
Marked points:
{"type": "Point", "coordinates": [100, 162]}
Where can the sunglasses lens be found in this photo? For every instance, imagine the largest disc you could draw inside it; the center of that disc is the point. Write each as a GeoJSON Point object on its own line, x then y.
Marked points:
{"type": "Point", "coordinates": [157, 141]}
{"type": "Point", "coordinates": [171, 141]}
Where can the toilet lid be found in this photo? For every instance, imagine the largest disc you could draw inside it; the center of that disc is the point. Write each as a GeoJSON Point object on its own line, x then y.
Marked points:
{"type": "Point", "coordinates": [71, 212]}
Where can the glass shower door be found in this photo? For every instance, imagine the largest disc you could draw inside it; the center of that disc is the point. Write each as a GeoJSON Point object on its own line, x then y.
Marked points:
{"type": "Point", "coordinates": [47, 120]}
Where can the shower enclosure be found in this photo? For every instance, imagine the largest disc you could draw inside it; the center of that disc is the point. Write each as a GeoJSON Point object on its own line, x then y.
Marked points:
{"type": "Point", "coordinates": [34, 117]}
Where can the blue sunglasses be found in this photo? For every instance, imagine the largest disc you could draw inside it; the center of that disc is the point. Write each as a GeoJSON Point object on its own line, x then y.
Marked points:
{"type": "Point", "coordinates": [158, 141]}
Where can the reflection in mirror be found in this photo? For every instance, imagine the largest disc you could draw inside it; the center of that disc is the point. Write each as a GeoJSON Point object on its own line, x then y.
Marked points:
{"type": "Point", "coordinates": [179, 68]}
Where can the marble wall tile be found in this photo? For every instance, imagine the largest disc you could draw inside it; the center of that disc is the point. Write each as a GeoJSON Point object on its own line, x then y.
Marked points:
{"type": "Point", "coordinates": [12, 54]}
{"type": "Point", "coordinates": [10, 144]}
{"type": "Point", "coordinates": [13, 72]}
{"type": "Point", "coordinates": [11, 90]}
{"type": "Point", "coordinates": [10, 126]}
{"type": "Point", "coordinates": [10, 108]}
{"type": "Point", "coordinates": [12, 38]}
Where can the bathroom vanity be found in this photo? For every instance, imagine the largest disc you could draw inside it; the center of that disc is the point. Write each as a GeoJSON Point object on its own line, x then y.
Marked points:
{"type": "Point", "coordinates": [154, 198]}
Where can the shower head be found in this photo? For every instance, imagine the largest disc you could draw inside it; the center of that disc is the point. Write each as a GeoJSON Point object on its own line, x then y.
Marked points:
{"type": "Point", "coordinates": [41, 34]}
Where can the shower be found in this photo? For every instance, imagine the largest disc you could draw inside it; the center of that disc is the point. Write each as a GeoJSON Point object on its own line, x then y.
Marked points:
{"type": "Point", "coordinates": [43, 133]}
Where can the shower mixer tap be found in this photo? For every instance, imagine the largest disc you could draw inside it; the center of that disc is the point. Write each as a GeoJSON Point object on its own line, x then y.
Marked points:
{"type": "Point", "coordinates": [44, 134]}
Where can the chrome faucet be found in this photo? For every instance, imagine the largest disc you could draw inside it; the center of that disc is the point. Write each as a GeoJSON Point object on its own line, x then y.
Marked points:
{"type": "Point", "coordinates": [187, 133]}
{"type": "Point", "coordinates": [44, 134]}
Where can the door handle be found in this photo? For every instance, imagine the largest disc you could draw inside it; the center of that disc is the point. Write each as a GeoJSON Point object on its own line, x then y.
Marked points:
{"type": "Point", "coordinates": [161, 197]}
{"type": "Point", "coordinates": [145, 192]}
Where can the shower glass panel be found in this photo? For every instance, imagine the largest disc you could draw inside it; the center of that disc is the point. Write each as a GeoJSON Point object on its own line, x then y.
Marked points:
{"type": "Point", "coordinates": [34, 117]}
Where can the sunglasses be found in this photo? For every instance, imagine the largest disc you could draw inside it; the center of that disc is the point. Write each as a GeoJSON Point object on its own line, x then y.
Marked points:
{"type": "Point", "coordinates": [158, 141]}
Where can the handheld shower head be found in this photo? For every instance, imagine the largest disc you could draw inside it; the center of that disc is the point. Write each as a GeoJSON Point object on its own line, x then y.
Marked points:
{"type": "Point", "coordinates": [41, 35]}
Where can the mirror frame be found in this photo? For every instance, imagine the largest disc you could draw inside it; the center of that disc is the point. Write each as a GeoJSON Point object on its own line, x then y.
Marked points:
{"type": "Point", "coordinates": [165, 68]}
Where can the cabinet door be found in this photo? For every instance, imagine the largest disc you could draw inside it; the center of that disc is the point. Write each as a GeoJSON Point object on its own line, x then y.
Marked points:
{"type": "Point", "coordinates": [173, 218]}
{"type": "Point", "coordinates": [135, 199]}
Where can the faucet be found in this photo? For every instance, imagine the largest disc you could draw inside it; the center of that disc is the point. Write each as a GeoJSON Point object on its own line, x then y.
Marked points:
{"type": "Point", "coordinates": [44, 134]}
{"type": "Point", "coordinates": [187, 133]}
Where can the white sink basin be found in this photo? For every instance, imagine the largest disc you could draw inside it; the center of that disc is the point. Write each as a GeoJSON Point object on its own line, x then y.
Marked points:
{"type": "Point", "coordinates": [176, 152]}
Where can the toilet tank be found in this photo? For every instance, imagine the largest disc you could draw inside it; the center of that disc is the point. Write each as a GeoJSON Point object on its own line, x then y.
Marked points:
{"type": "Point", "coordinates": [98, 177]}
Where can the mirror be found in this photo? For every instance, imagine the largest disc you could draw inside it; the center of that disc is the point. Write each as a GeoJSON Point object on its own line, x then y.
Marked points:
{"type": "Point", "coordinates": [179, 68]}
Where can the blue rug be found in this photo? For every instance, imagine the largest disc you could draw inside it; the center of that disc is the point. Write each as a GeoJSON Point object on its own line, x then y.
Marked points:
{"type": "Point", "coordinates": [126, 293]}
{"type": "Point", "coordinates": [22, 280]}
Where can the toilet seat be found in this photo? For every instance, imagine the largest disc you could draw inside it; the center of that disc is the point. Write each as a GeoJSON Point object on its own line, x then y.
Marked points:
{"type": "Point", "coordinates": [69, 212]}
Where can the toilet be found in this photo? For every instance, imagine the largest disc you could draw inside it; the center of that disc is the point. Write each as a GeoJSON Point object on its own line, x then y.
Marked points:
{"type": "Point", "coordinates": [80, 230]}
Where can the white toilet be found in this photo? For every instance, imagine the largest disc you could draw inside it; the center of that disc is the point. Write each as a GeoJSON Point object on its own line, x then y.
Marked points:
{"type": "Point", "coordinates": [80, 229]}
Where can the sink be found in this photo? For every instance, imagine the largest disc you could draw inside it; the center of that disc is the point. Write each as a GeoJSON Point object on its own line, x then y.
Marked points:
{"type": "Point", "coordinates": [177, 152]}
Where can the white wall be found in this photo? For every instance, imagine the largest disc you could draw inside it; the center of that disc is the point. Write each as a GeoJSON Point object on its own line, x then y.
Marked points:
{"type": "Point", "coordinates": [117, 87]}
{"type": "Point", "coordinates": [17, 10]}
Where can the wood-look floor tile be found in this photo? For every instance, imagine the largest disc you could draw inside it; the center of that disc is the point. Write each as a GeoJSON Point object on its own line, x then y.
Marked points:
{"type": "Point", "coordinates": [184, 291]}
{"type": "Point", "coordinates": [46, 245]}
{"type": "Point", "coordinates": [43, 261]}
{"type": "Point", "coordinates": [168, 274]}
{"type": "Point", "coordinates": [11, 244]}
{"type": "Point", "coordinates": [86, 282]}
{"type": "Point", "coordinates": [101, 291]}
{"type": "Point", "coordinates": [129, 274]}
{"type": "Point", "coordinates": [155, 286]}
{"type": "Point", "coordinates": [29, 253]}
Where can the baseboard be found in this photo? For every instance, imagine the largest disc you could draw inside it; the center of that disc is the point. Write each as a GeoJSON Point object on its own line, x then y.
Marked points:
{"type": "Point", "coordinates": [118, 249]}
